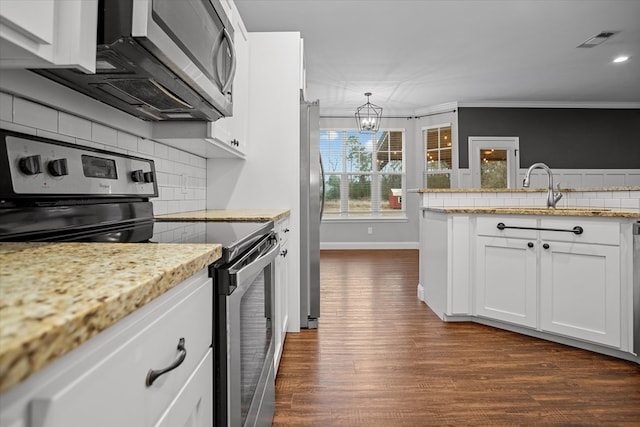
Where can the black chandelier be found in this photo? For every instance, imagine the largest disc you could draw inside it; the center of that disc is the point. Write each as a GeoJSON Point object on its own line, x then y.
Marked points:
{"type": "Point", "coordinates": [368, 116]}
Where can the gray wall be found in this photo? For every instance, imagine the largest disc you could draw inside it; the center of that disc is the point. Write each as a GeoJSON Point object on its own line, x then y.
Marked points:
{"type": "Point", "coordinates": [562, 138]}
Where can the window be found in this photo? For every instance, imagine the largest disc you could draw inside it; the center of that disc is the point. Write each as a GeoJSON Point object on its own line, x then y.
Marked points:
{"type": "Point", "coordinates": [364, 173]}
{"type": "Point", "coordinates": [438, 149]}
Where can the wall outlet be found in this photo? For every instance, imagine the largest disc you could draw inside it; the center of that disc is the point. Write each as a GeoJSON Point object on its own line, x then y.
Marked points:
{"type": "Point", "coordinates": [370, 230]}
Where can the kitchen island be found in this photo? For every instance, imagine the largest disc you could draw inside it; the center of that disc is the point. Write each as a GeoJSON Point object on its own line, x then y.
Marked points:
{"type": "Point", "coordinates": [57, 296]}
{"type": "Point", "coordinates": [499, 257]}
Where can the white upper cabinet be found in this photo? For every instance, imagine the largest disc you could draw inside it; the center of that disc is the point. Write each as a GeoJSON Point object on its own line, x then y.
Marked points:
{"type": "Point", "coordinates": [48, 34]}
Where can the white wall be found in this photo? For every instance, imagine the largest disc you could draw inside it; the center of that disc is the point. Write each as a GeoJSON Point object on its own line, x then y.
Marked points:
{"type": "Point", "coordinates": [181, 176]}
{"type": "Point", "coordinates": [270, 176]}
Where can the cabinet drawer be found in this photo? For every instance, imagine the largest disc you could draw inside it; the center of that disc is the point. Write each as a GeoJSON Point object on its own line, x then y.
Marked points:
{"type": "Point", "coordinates": [594, 231]}
{"type": "Point", "coordinates": [112, 392]}
{"type": "Point", "coordinates": [194, 402]}
{"type": "Point", "coordinates": [488, 226]}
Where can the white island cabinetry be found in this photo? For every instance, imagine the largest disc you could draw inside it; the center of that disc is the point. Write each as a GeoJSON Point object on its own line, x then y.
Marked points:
{"type": "Point", "coordinates": [532, 274]}
{"type": "Point", "coordinates": [580, 280]}
{"type": "Point", "coordinates": [505, 273]}
{"type": "Point", "coordinates": [104, 381]}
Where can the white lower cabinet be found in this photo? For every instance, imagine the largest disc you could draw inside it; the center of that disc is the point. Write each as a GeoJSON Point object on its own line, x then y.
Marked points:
{"type": "Point", "coordinates": [506, 280]}
{"type": "Point", "coordinates": [580, 291]}
{"type": "Point", "coordinates": [572, 281]}
{"type": "Point", "coordinates": [282, 286]}
{"type": "Point", "coordinates": [103, 383]}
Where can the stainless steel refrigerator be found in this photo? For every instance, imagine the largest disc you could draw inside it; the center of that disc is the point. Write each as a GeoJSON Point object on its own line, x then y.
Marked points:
{"type": "Point", "coordinates": [311, 206]}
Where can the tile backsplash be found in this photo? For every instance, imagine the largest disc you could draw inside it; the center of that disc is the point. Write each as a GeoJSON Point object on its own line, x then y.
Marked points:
{"type": "Point", "coordinates": [181, 176]}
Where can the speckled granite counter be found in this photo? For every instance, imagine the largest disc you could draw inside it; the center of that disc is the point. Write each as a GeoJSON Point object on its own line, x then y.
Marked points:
{"type": "Point", "coordinates": [55, 296]}
{"type": "Point", "coordinates": [521, 190]}
{"type": "Point", "coordinates": [226, 215]}
{"type": "Point", "coordinates": [524, 210]}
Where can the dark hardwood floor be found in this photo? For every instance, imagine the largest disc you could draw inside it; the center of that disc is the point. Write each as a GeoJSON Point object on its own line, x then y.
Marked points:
{"type": "Point", "coordinates": [381, 358]}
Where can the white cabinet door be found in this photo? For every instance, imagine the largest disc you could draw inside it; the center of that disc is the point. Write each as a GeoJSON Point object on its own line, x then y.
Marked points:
{"type": "Point", "coordinates": [506, 280]}
{"type": "Point", "coordinates": [281, 293]}
{"type": "Point", "coordinates": [48, 33]}
{"type": "Point", "coordinates": [580, 291]}
{"type": "Point", "coordinates": [193, 406]}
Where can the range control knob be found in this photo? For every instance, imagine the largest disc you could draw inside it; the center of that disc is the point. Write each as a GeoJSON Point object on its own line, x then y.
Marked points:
{"type": "Point", "coordinates": [137, 176]}
{"type": "Point", "coordinates": [58, 167]}
{"type": "Point", "coordinates": [30, 165]}
{"type": "Point", "coordinates": [148, 177]}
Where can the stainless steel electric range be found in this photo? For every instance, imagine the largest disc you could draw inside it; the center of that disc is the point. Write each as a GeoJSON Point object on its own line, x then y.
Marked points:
{"type": "Point", "coordinates": [53, 191]}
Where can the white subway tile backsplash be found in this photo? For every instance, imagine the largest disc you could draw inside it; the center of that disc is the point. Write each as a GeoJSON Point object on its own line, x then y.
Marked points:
{"type": "Point", "coordinates": [612, 203]}
{"type": "Point", "coordinates": [104, 134]}
{"type": "Point", "coordinates": [34, 115]}
{"type": "Point", "coordinates": [6, 107]}
{"type": "Point", "coordinates": [630, 204]}
{"type": "Point", "coordinates": [161, 151]}
{"type": "Point", "coordinates": [146, 146]}
{"type": "Point", "coordinates": [56, 136]}
{"type": "Point", "coordinates": [127, 141]}
{"type": "Point", "coordinates": [173, 166]}
{"type": "Point", "coordinates": [74, 126]}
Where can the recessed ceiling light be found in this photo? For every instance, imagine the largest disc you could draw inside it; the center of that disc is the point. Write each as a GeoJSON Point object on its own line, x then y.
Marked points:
{"type": "Point", "coordinates": [621, 59]}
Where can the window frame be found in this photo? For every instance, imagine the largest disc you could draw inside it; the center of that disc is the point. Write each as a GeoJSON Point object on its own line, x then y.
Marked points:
{"type": "Point", "coordinates": [379, 215]}
{"type": "Point", "coordinates": [453, 171]}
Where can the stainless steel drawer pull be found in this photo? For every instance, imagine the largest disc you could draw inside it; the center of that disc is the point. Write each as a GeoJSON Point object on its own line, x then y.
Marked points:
{"type": "Point", "coordinates": [152, 375]}
{"type": "Point", "coordinates": [576, 230]}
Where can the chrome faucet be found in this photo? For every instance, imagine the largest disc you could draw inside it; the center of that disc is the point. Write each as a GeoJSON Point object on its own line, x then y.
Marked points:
{"type": "Point", "coordinates": [552, 196]}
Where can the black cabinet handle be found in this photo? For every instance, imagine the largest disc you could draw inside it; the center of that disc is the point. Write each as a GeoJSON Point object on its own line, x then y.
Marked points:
{"type": "Point", "coordinates": [153, 375]}
{"type": "Point", "coordinates": [546, 246]}
{"type": "Point", "coordinates": [286, 230]}
{"type": "Point", "coordinates": [575, 230]}
{"type": "Point", "coordinates": [284, 253]}
{"type": "Point", "coordinates": [530, 244]}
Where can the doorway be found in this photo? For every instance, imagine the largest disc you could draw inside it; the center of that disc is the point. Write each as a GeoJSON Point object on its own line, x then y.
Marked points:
{"type": "Point", "coordinates": [494, 161]}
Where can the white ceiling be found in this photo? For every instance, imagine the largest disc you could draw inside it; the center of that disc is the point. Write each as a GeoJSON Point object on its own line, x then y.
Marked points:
{"type": "Point", "coordinates": [415, 54]}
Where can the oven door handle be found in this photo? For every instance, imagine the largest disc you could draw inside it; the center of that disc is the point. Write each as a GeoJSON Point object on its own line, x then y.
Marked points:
{"type": "Point", "coordinates": [266, 257]}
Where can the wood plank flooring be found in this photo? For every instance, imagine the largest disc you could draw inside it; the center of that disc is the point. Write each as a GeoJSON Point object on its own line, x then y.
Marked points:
{"type": "Point", "coordinates": [381, 358]}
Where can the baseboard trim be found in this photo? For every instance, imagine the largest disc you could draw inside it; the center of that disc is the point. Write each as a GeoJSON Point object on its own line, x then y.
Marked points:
{"type": "Point", "coordinates": [368, 245]}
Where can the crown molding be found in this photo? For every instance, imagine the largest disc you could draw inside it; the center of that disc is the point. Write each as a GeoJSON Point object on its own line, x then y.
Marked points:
{"type": "Point", "coordinates": [536, 104]}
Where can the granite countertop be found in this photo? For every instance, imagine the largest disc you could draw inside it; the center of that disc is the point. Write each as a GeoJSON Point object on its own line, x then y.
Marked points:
{"type": "Point", "coordinates": [535, 210]}
{"type": "Point", "coordinates": [55, 296]}
{"type": "Point", "coordinates": [520, 190]}
{"type": "Point", "coordinates": [227, 215]}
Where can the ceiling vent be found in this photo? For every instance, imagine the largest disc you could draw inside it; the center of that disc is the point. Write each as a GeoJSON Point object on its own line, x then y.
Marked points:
{"type": "Point", "coordinates": [598, 39]}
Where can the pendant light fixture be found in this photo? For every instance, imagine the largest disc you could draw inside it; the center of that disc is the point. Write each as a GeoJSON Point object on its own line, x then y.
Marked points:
{"type": "Point", "coordinates": [368, 116]}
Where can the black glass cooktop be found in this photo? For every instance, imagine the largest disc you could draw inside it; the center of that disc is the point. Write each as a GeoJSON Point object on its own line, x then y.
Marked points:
{"type": "Point", "coordinates": [233, 236]}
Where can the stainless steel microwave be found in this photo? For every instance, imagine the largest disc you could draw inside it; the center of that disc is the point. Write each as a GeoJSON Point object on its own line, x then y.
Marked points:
{"type": "Point", "coordinates": [160, 60]}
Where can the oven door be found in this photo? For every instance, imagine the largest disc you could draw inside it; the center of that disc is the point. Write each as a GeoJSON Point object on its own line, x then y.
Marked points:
{"type": "Point", "coordinates": [243, 342]}
{"type": "Point", "coordinates": [195, 39]}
